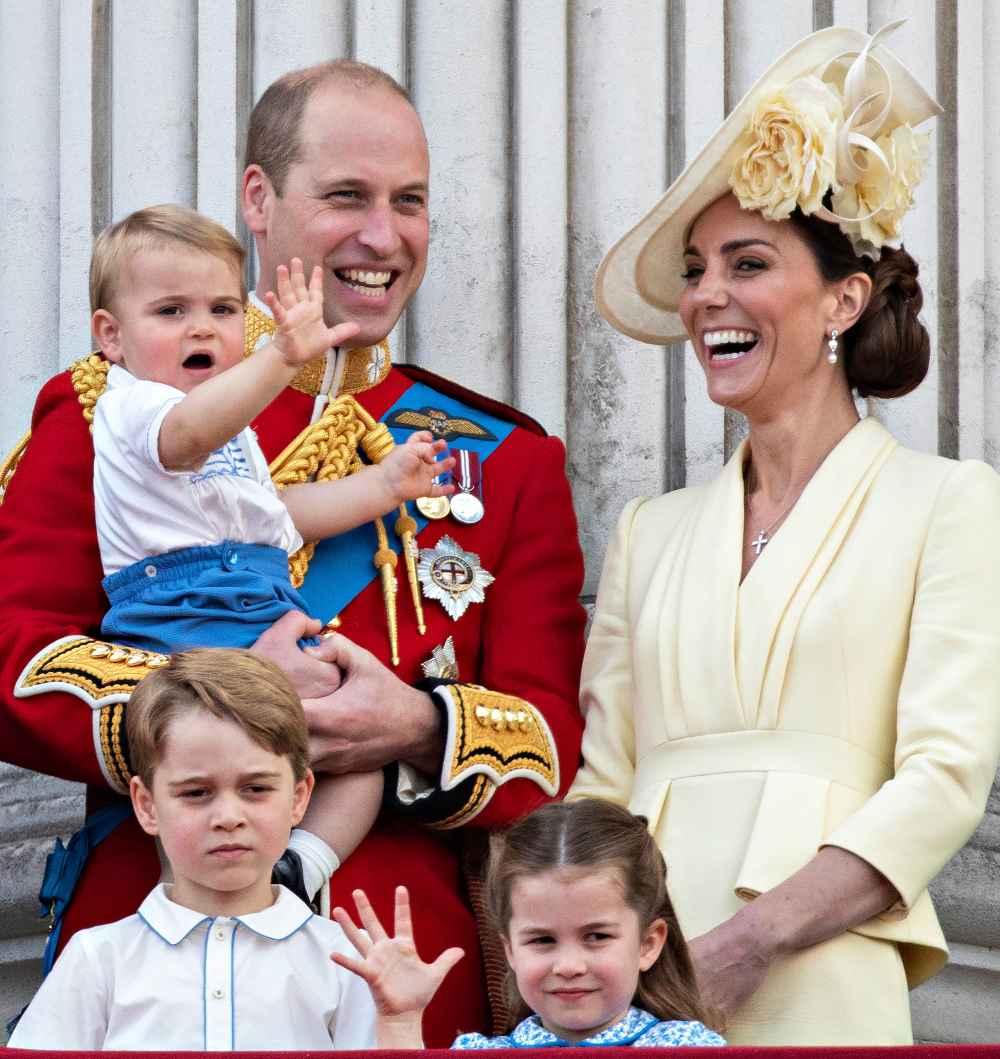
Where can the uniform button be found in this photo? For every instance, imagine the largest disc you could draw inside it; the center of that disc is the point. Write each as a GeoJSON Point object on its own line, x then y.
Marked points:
{"type": "Point", "coordinates": [220, 934]}
{"type": "Point", "coordinates": [217, 994]}
{"type": "Point", "coordinates": [150, 570]}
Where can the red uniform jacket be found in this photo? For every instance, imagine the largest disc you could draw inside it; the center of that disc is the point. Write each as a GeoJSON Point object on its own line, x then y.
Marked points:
{"type": "Point", "coordinates": [524, 640]}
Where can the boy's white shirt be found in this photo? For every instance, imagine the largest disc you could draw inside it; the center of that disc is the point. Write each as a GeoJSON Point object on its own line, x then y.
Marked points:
{"type": "Point", "coordinates": [143, 510]}
{"type": "Point", "coordinates": [172, 979]}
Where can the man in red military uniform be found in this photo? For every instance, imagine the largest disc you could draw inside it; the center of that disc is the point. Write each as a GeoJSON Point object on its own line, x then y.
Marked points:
{"type": "Point", "coordinates": [463, 683]}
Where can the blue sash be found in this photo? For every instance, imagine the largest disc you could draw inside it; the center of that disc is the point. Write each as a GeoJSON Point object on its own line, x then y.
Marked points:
{"type": "Point", "coordinates": [342, 567]}
{"type": "Point", "coordinates": [64, 866]}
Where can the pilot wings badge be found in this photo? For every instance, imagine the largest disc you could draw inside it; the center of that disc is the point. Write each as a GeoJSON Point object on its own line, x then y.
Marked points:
{"type": "Point", "coordinates": [452, 576]}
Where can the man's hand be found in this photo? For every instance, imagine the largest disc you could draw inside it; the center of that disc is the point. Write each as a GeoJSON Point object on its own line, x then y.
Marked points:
{"type": "Point", "coordinates": [409, 470]}
{"type": "Point", "coordinates": [372, 719]}
{"type": "Point", "coordinates": [302, 334]}
{"type": "Point", "coordinates": [311, 677]}
{"type": "Point", "coordinates": [402, 985]}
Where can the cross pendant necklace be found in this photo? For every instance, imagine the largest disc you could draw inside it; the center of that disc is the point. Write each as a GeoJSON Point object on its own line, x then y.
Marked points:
{"type": "Point", "coordinates": [761, 541]}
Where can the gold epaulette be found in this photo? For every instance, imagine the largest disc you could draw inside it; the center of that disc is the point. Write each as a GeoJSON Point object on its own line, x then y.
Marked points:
{"type": "Point", "coordinates": [90, 380]}
{"type": "Point", "coordinates": [495, 738]}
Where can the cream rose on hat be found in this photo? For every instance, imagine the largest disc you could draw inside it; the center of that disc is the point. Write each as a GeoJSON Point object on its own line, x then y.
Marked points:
{"type": "Point", "coordinates": [828, 129]}
{"type": "Point", "coordinates": [791, 154]}
{"type": "Point", "coordinates": [883, 199]}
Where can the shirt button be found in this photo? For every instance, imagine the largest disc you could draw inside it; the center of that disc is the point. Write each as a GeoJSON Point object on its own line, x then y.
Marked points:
{"type": "Point", "coordinates": [150, 570]}
{"type": "Point", "coordinates": [217, 994]}
{"type": "Point", "coordinates": [220, 934]}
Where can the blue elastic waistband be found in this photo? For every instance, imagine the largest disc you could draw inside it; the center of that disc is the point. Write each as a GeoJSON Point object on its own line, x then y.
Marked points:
{"type": "Point", "coordinates": [184, 563]}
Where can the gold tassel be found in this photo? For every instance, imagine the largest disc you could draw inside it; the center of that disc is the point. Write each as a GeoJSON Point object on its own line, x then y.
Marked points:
{"type": "Point", "coordinates": [406, 529]}
{"type": "Point", "coordinates": [385, 561]}
{"type": "Point", "coordinates": [377, 443]}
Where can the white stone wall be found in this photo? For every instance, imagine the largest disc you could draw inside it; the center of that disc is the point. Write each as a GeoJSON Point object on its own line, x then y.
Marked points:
{"type": "Point", "coordinates": [553, 124]}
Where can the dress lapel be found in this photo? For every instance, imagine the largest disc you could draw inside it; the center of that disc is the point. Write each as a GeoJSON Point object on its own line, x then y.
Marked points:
{"type": "Point", "coordinates": [695, 589]}
{"type": "Point", "coordinates": [785, 577]}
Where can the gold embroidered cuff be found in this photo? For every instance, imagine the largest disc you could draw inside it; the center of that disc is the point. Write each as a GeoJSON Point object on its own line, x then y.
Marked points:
{"type": "Point", "coordinates": [482, 791]}
{"type": "Point", "coordinates": [495, 736]}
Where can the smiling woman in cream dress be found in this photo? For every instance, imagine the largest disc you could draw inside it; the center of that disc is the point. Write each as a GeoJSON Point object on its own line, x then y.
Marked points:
{"type": "Point", "coordinates": [794, 670]}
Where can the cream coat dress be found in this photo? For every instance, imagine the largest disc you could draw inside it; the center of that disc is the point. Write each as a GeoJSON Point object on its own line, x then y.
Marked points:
{"type": "Point", "coordinates": [846, 694]}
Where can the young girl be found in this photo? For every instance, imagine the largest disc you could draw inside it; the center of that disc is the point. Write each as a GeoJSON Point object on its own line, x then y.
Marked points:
{"type": "Point", "coordinates": [578, 891]}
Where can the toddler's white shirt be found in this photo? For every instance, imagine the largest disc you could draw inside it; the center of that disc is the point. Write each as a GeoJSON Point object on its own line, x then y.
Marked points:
{"type": "Point", "coordinates": [142, 509]}
{"type": "Point", "coordinates": [171, 979]}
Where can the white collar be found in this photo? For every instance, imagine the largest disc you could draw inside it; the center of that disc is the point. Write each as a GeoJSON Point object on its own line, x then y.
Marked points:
{"type": "Point", "coordinates": [173, 922]}
{"type": "Point", "coordinates": [119, 376]}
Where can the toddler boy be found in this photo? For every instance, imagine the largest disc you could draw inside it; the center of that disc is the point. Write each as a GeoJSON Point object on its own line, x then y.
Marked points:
{"type": "Point", "coordinates": [194, 537]}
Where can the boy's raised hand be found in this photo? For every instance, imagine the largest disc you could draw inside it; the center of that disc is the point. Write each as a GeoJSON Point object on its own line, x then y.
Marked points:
{"type": "Point", "coordinates": [410, 469]}
{"type": "Point", "coordinates": [402, 985]}
{"type": "Point", "coordinates": [302, 334]}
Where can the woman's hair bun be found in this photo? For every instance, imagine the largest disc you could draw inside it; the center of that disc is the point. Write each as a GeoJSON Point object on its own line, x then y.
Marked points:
{"type": "Point", "coordinates": [887, 352]}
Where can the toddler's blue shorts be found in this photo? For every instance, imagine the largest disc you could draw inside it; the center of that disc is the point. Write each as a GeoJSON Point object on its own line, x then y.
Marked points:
{"type": "Point", "coordinates": [219, 595]}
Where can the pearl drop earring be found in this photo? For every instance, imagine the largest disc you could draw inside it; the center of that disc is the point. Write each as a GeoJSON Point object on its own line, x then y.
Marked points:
{"type": "Point", "coordinates": [832, 343]}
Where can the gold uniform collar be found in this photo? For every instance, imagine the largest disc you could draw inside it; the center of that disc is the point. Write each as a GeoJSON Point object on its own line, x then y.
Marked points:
{"type": "Point", "coordinates": [365, 368]}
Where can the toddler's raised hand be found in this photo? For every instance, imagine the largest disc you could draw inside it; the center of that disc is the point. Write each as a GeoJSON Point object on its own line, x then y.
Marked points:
{"type": "Point", "coordinates": [302, 334]}
{"type": "Point", "coordinates": [402, 985]}
{"type": "Point", "coordinates": [410, 469]}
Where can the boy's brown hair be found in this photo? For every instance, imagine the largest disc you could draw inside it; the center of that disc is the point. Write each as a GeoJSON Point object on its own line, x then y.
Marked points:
{"type": "Point", "coordinates": [156, 227]}
{"type": "Point", "coordinates": [233, 685]}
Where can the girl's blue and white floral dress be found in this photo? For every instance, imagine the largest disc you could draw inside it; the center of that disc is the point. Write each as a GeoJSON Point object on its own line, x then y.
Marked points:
{"type": "Point", "coordinates": [638, 1028]}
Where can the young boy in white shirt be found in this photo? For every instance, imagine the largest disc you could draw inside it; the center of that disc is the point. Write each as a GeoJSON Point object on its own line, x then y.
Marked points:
{"type": "Point", "coordinates": [219, 959]}
{"type": "Point", "coordinates": [194, 537]}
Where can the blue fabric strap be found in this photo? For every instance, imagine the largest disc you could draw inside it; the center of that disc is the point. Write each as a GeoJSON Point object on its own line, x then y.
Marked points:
{"type": "Point", "coordinates": [341, 567]}
{"type": "Point", "coordinates": [64, 866]}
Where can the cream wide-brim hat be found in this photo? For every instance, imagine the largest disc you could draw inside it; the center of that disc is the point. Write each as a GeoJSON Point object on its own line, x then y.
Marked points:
{"type": "Point", "coordinates": [638, 285]}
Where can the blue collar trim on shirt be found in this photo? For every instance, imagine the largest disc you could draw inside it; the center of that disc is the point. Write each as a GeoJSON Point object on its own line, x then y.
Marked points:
{"type": "Point", "coordinates": [285, 917]}
{"type": "Point", "coordinates": [170, 921]}
{"type": "Point", "coordinates": [173, 922]}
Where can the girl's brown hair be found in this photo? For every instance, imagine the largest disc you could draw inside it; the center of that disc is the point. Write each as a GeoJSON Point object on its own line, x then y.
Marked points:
{"type": "Point", "coordinates": [593, 833]}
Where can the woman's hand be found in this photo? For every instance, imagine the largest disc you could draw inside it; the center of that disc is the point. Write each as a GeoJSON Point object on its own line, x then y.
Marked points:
{"type": "Point", "coordinates": [730, 964]}
{"type": "Point", "coordinates": [835, 891]}
{"type": "Point", "coordinates": [402, 985]}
